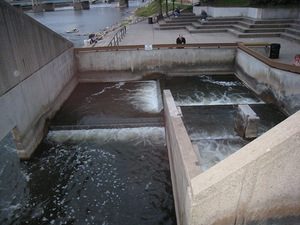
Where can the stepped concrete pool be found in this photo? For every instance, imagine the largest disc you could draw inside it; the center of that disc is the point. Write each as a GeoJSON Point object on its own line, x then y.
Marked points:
{"type": "Point", "coordinates": [121, 175]}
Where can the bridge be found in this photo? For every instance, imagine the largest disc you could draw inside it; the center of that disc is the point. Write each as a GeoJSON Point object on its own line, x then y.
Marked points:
{"type": "Point", "coordinates": [49, 5]}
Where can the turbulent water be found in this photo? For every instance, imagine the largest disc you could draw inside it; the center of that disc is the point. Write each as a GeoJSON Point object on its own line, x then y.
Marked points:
{"type": "Point", "coordinates": [121, 176]}
{"type": "Point", "coordinates": [117, 176]}
{"type": "Point", "coordinates": [97, 103]}
{"type": "Point", "coordinates": [209, 90]}
{"type": "Point", "coordinates": [209, 107]}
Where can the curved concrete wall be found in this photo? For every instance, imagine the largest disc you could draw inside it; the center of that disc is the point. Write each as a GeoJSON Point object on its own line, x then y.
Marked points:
{"type": "Point", "coordinates": [37, 75]}
{"type": "Point", "coordinates": [255, 13]}
{"type": "Point", "coordinates": [265, 80]}
{"type": "Point", "coordinates": [164, 60]}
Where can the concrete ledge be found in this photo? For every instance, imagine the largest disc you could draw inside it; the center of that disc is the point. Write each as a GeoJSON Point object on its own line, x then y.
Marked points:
{"type": "Point", "coordinates": [267, 82]}
{"type": "Point", "coordinates": [182, 157]}
{"type": "Point", "coordinates": [259, 181]}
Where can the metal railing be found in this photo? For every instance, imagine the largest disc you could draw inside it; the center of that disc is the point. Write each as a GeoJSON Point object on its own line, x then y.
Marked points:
{"type": "Point", "coordinates": [268, 61]}
{"type": "Point", "coordinates": [119, 35]}
{"type": "Point", "coordinates": [246, 47]}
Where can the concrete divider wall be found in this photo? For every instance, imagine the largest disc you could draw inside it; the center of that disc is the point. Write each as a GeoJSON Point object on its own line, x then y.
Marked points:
{"type": "Point", "coordinates": [182, 158]}
{"type": "Point", "coordinates": [25, 46]}
{"type": "Point", "coordinates": [37, 75]}
{"type": "Point", "coordinates": [258, 182]}
{"type": "Point", "coordinates": [265, 80]}
{"type": "Point", "coordinates": [163, 60]}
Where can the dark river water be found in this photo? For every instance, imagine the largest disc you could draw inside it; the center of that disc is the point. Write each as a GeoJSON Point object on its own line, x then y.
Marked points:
{"type": "Point", "coordinates": [121, 175]}
{"type": "Point", "coordinates": [96, 19]}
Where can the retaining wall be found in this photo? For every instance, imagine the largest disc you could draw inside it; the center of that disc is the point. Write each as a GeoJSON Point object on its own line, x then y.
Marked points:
{"type": "Point", "coordinates": [37, 75]}
{"type": "Point", "coordinates": [163, 61]}
{"type": "Point", "coordinates": [268, 81]}
{"type": "Point", "coordinates": [255, 13]}
{"type": "Point", "coordinates": [25, 46]}
{"type": "Point", "coordinates": [258, 182]}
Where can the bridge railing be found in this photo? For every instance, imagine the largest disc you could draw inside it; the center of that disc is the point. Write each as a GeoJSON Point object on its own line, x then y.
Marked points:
{"type": "Point", "coordinates": [119, 35]}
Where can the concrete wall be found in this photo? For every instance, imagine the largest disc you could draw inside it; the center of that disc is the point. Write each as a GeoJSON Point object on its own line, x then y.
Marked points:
{"type": "Point", "coordinates": [163, 60]}
{"type": "Point", "coordinates": [25, 46]}
{"type": "Point", "coordinates": [182, 158]}
{"type": "Point", "coordinates": [37, 75]}
{"type": "Point", "coordinates": [255, 13]}
{"type": "Point", "coordinates": [259, 181]}
{"type": "Point", "coordinates": [268, 81]}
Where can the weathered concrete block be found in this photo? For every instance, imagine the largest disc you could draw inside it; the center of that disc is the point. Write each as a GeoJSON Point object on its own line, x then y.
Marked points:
{"type": "Point", "coordinates": [246, 122]}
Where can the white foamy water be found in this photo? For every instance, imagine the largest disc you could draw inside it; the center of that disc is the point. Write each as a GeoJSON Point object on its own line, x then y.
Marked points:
{"type": "Point", "coordinates": [220, 83]}
{"type": "Point", "coordinates": [116, 86]}
{"type": "Point", "coordinates": [199, 98]}
{"type": "Point", "coordinates": [147, 135]}
{"type": "Point", "coordinates": [213, 151]}
{"type": "Point", "coordinates": [145, 97]}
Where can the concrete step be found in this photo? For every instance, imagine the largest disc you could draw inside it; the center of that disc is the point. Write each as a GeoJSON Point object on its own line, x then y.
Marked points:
{"type": "Point", "coordinates": [278, 25]}
{"type": "Point", "coordinates": [218, 22]}
{"type": "Point", "coordinates": [274, 21]}
{"type": "Point", "coordinates": [258, 30]}
{"type": "Point", "coordinates": [182, 18]}
{"type": "Point", "coordinates": [178, 27]}
{"type": "Point", "coordinates": [161, 24]}
{"type": "Point", "coordinates": [295, 26]}
{"type": "Point", "coordinates": [200, 26]}
{"type": "Point", "coordinates": [293, 31]}
{"type": "Point", "coordinates": [252, 35]}
{"type": "Point", "coordinates": [291, 37]}
{"type": "Point", "coordinates": [235, 18]}
{"type": "Point", "coordinates": [208, 30]}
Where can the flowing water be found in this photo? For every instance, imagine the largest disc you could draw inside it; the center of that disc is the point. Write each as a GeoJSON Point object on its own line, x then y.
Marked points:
{"type": "Point", "coordinates": [109, 103]}
{"type": "Point", "coordinates": [121, 175]}
{"type": "Point", "coordinates": [209, 90]}
{"type": "Point", "coordinates": [209, 107]}
{"type": "Point", "coordinates": [114, 176]}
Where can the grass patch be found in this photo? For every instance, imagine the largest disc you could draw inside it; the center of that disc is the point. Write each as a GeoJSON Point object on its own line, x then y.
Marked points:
{"type": "Point", "coordinates": [153, 8]}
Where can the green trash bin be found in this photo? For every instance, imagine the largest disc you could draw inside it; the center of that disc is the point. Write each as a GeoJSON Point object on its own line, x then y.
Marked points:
{"type": "Point", "coordinates": [150, 20]}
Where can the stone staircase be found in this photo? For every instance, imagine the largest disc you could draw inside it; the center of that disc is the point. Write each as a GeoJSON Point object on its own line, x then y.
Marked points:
{"type": "Point", "coordinates": [185, 19]}
{"type": "Point", "coordinates": [241, 27]}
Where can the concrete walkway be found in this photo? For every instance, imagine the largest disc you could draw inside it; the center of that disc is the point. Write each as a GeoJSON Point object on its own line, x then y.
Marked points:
{"type": "Point", "coordinates": [143, 33]}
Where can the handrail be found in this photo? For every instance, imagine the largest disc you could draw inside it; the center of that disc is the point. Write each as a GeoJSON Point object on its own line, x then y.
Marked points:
{"type": "Point", "coordinates": [269, 62]}
{"type": "Point", "coordinates": [157, 46]}
{"type": "Point", "coordinates": [119, 35]}
{"type": "Point", "coordinates": [246, 47]}
{"type": "Point", "coordinates": [166, 46]}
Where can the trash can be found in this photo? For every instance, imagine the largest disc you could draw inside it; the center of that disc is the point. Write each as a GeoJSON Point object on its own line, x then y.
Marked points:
{"type": "Point", "coordinates": [274, 51]}
{"type": "Point", "coordinates": [150, 20]}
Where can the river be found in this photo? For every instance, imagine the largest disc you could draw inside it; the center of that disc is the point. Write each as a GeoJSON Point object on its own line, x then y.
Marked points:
{"type": "Point", "coordinates": [99, 17]}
